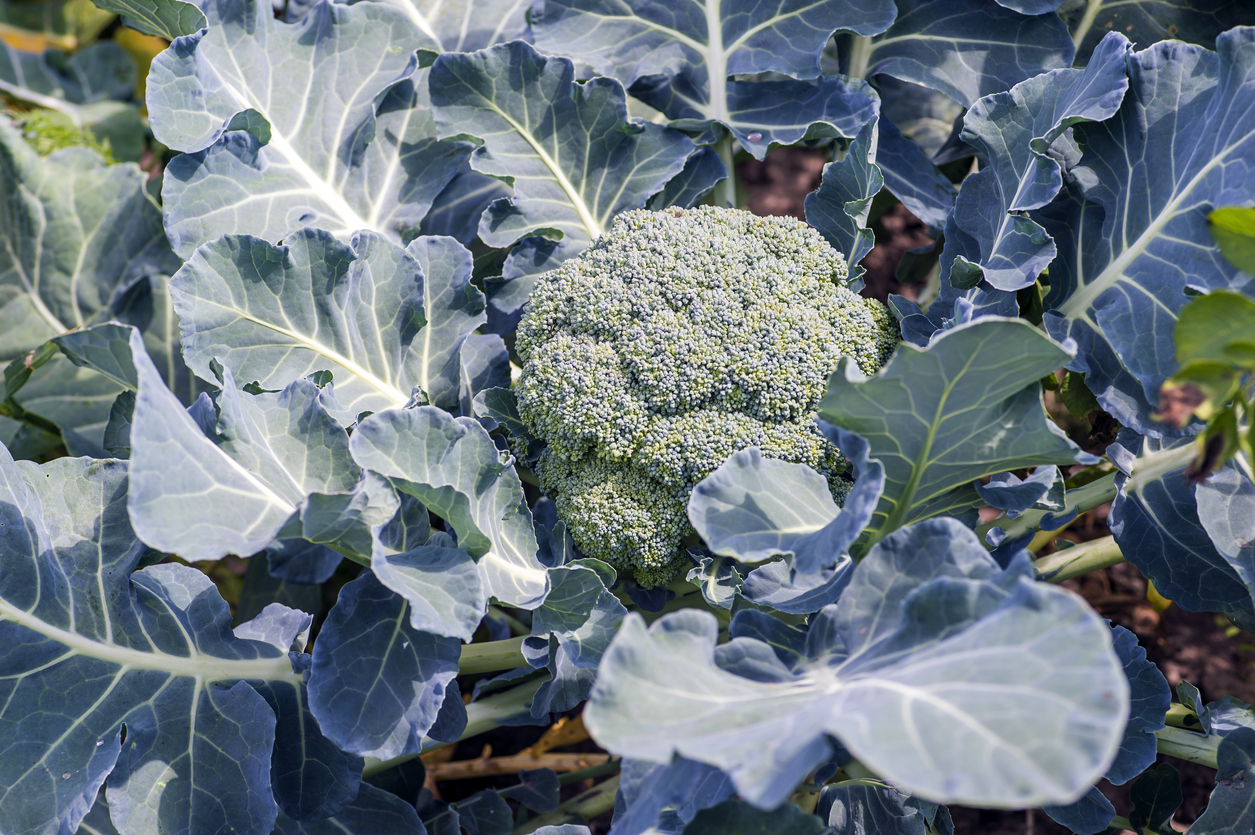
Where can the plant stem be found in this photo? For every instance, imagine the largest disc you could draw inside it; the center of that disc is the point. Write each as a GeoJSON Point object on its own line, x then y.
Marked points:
{"type": "Point", "coordinates": [1180, 716]}
{"type": "Point", "coordinates": [1083, 498]}
{"type": "Point", "coordinates": [1079, 559]}
{"type": "Point", "coordinates": [725, 190]}
{"type": "Point", "coordinates": [481, 716]}
{"type": "Point", "coordinates": [1087, 20]}
{"type": "Point", "coordinates": [1187, 745]}
{"type": "Point", "coordinates": [578, 764]}
{"type": "Point", "coordinates": [608, 767]}
{"type": "Point", "coordinates": [860, 54]}
{"type": "Point", "coordinates": [579, 809]}
{"type": "Point", "coordinates": [492, 656]}
{"type": "Point", "coordinates": [1121, 823]}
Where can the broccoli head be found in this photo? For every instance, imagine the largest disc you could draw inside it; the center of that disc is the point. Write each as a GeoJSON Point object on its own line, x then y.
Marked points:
{"type": "Point", "coordinates": [676, 339]}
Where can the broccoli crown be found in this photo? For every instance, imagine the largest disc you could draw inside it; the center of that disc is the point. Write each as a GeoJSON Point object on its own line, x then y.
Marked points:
{"type": "Point", "coordinates": [676, 339]}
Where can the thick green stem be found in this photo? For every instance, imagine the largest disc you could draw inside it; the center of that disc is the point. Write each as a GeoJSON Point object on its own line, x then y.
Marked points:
{"type": "Point", "coordinates": [1083, 498]}
{"type": "Point", "coordinates": [1079, 559]}
{"type": "Point", "coordinates": [579, 809]}
{"type": "Point", "coordinates": [1087, 21]}
{"type": "Point", "coordinates": [481, 716]}
{"type": "Point", "coordinates": [860, 55]}
{"type": "Point", "coordinates": [725, 190]}
{"type": "Point", "coordinates": [1180, 716]}
{"type": "Point", "coordinates": [492, 656]}
{"type": "Point", "coordinates": [1187, 745]}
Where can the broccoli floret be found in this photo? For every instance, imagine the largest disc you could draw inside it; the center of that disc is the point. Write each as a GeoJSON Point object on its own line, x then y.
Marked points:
{"type": "Point", "coordinates": [676, 339]}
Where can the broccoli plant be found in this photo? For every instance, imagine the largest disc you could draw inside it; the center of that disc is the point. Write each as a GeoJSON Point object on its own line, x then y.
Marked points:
{"type": "Point", "coordinates": [384, 373]}
{"type": "Point", "coordinates": [676, 339]}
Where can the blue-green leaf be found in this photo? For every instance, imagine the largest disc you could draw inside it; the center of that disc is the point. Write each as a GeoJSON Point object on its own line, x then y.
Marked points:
{"type": "Point", "coordinates": [372, 812]}
{"type": "Point", "coordinates": [347, 151]}
{"type": "Point", "coordinates": [953, 680]}
{"type": "Point", "coordinates": [939, 418]}
{"type": "Point", "coordinates": [736, 817]}
{"type": "Point", "coordinates": [964, 48]}
{"type": "Point", "coordinates": [1131, 241]}
{"type": "Point", "coordinates": [684, 55]}
{"type": "Point", "coordinates": [204, 497]}
{"type": "Point", "coordinates": [452, 466]}
{"type": "Point", "coordinates": [1015, 131]}
{"type": "Point", "coordinates": [1155, 521]}
{"type": "Point", "coordinates": [81, 233]}
{"type": "Point", "coordinates": [839, 207]}
{"type": "Point", "coordinates": [570, 152]}
{"type": "Point", "coordinates": [1231, 807]}
{"type": "Point", "coordinates": [1145, 22]}
{"type": "Point", "coordinates": [382, 320]}
{"type": "Point", "coordinates": [167, 19]}
{"type": "Point", "coordinates": [442, 586]}
{"type": "Point", "coordinates": [580, 611]}
{"type": "Point", "coordinates": [468, 25]}
{"type": "Point", "coordinates": [151, 650]}
{"type": "Point", "coordinates": [377, 684]}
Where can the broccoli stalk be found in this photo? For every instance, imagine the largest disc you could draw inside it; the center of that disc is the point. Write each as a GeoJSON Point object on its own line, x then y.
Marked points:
{"type": "Point", "coordinates": [676, 339]}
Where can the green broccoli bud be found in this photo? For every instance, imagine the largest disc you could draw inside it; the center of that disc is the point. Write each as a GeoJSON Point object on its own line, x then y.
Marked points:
{"type": "Point", "coordinates": [676, 339]}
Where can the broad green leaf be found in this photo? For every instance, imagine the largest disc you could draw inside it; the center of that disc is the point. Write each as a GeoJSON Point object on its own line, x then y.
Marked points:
{"type": "Point", "coordinates": [1093, 813]}
{"type": "Point", "coordinates": [1156, 796]}
{"type": "Point", "coordinates": [351, 141]}
{"type": "Point", "coordinates": [580, 611]}
{"type": "Point", "coordinates": [964, 48]}
{"type": "Point", "coordinates": [1217, 327]}
{"type": "Point", "coordinates": [230, 492]}
{"type": "Point", "coordinates": [840, 206]}
{"type": "Point", "coordinates": [1131, 242]}
{"type": "Point", "coordinates": [1233, 228]}
{"type": "Point", "coordinates": [939, 418]}
{"type": "Point", "coordinates": [90, 89]}
{"type": "Point", "coordinates": [853, 808]}
{"type": "Point", "coordinates": [453, 308]}
{"type": "Point", "coordinates": [377, 684]}
{"type": "Point", "coordinates": [1155, 521]}
{"type": "Point", "coordinates": [1145, 22]}
{"type": "Point", "coordinates": [380, 319]}
{"type": "Point", "coordinates": [167, 19]}
{"type": "Point", "coordinates": [952, 679]}
{"type": "Point", "coordinates": [570, 152]}
{"type": "Point", "coordinates": [685, 54]}
{"type": "Point", "coordinates": [77, 400]}
{"type": "Point", "coordinates": [1015, 131]}
{"type": "Point", "coordinates": [467, 25]}
{"type": "Point", "coordinates": [151, 651]}
{"type": "Point", "coordinates": [442, 586]}
{"type": "Point", "coordinates": [755, 508]}
{"type": "Point", "coordinates": [1231, 807]}
{"type": "Point", "coordinates": [74, 234]}
{"type": "Point", "coordinates": [452, 466]}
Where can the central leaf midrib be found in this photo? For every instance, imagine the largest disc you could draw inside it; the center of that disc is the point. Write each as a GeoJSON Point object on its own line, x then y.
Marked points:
{"type": "Point", "coordinates": [1088, 294]}
{"type": "Point", "coordinates": [379, 385]}
{"type": "Point", "coordinates": [577, 202]}
{"type": "Point", "coordinates": [193, 665]}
